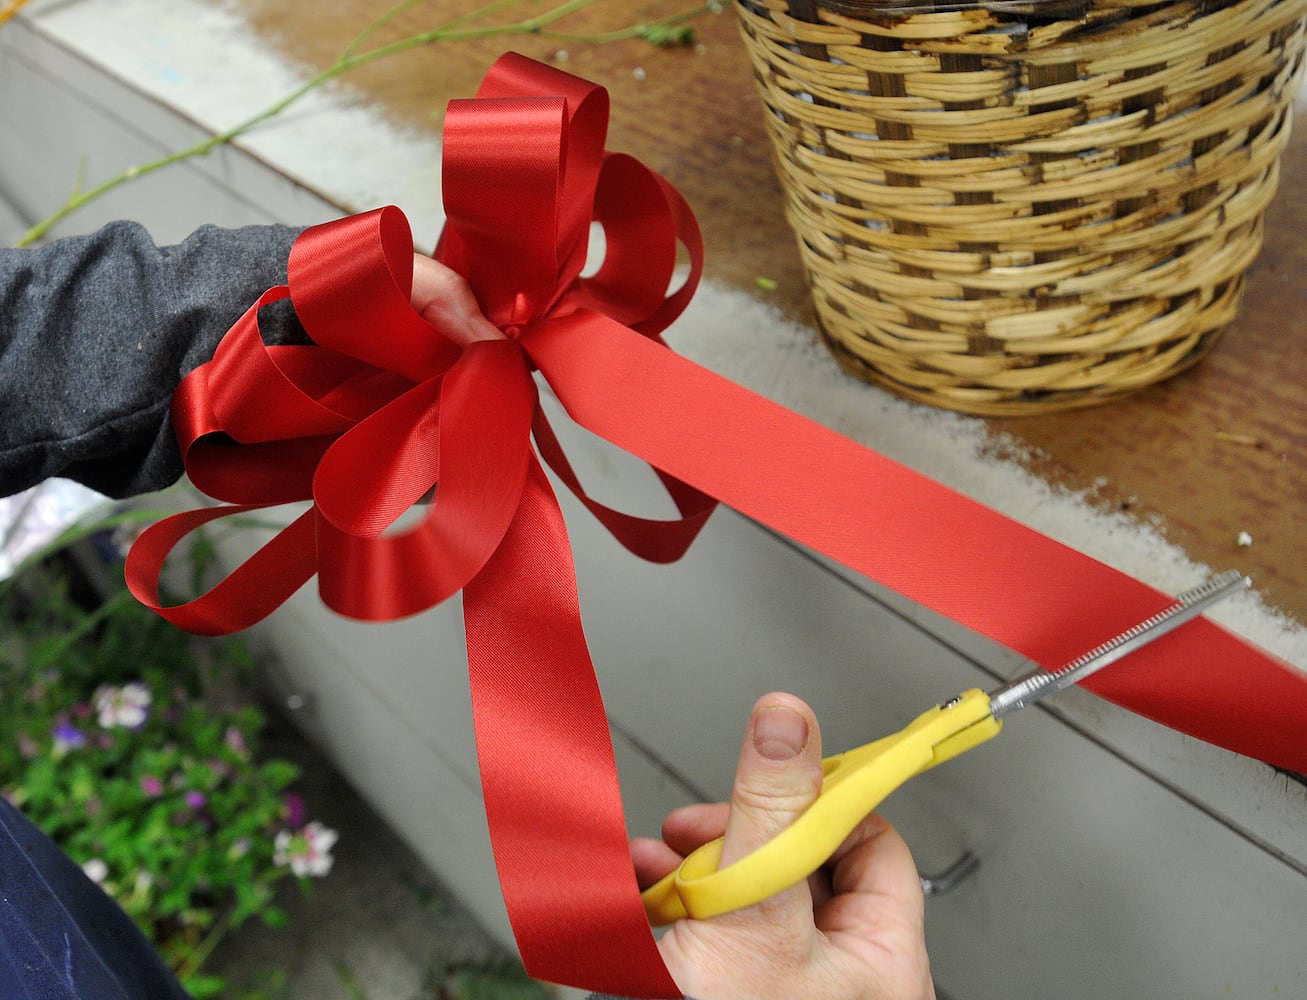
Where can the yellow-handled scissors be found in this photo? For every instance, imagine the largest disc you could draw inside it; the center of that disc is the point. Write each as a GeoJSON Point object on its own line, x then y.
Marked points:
{"type": "Point", "coordinates": [855, 782]}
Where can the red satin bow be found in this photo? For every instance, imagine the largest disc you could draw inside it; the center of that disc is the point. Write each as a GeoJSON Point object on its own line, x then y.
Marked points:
{"type": "Point", "coordinates": [380, 408]}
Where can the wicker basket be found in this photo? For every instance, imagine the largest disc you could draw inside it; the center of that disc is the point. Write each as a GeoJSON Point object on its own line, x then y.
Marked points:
{"type": "Point", "coordinates": [1025, 207]}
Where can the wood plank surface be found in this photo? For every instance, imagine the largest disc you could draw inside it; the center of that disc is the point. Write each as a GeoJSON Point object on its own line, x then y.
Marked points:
{"type": "Point", "coordinates": [1219, 450]}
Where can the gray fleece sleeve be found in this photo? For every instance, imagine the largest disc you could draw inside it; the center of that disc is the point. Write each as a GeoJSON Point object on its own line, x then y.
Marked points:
{"type": "Point", "coordinates": [95, 334]}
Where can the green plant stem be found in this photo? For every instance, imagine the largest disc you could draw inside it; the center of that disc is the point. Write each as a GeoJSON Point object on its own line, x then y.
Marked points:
{"type": "Point", "coordinates": [78, 531]}
{"type": "Point", "coordinates": [350, 59]}
{"type": "Point", "coordinates": [640, 30]}
{"type": "Point", "coordinates": [198, 955]}
{"type": "Point", "coordinates": [350, 981]}
{"type": "Point", "coordinates": [86, 624]}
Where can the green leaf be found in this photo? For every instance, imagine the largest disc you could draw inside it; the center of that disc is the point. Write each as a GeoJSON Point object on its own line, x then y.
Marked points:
{"type": "Point", "coordinates": [274, 917]}
{"type": "Point", "coordinates": [278, 773]}
{"type": "Point", "coordinates": [203, 986]}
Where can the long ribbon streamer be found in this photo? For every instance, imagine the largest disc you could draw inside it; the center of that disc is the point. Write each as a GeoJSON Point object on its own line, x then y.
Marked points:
{"type": "Point", "coordinates": [381, 408]}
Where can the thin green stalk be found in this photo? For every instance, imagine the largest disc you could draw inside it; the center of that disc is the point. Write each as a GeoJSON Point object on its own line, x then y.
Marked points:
{"type": "Point", "coordinates": [350, 59]}
{"type": "Point", "coordinates": [201, 952]}
{"type": "Point", "coordinates": [647, 29]}
{"type": "Point", "coordinates": [76, 532]}
{"type": "Point", "coordinates": [350, 981]}
{"type": "Point", "coordinates": [367, 32]}
{"type": "Point", "coordinates": [86, 624]}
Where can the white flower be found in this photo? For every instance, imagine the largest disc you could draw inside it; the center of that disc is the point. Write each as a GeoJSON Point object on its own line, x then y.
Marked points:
{"type": "Point", "coordinates": [307, 851]}
{"type": "Point", "coordinates": [96, 870]}
{"type": "Point", "coordinates": [126, 707]}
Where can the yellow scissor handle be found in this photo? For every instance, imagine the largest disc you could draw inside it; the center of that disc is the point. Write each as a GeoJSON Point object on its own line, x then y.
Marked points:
{"type": "Point", "coordinates": [854, 783]}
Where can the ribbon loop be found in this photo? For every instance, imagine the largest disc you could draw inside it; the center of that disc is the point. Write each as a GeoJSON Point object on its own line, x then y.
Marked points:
{"type": "Point", "coordinates": [586, 131]}
{"type": "Point", "coordinates": [475, 454]}
{"type": "Point", "coordinates": [509, 246]}
{"type": "Point", "coordinates": [351, 291]}
{"type": "Point", "coordinates": [249, 594]}
{"type": "Point", "coordinates": [644, 219]}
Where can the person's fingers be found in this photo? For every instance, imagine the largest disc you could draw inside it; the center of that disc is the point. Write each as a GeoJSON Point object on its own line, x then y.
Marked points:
{"type": "Point", "coordinates": [652, 860]}
{"type": "Point", "coordinates": [685, 830]}
{"type": "Point", "coordinates": [874, 858]}
{"type": "Point", "coordinates": [444, 299]}
{"type": "Point", "coordinates": [690, 827]}
{"type": "Point", "coordinates": [874, 865]}
{"type": "Point", "coordinates": [878, 911]}
{"type": "Point", "coordinates": [777, 777]}
{"type": "Point", "coordinates": [778, 774]}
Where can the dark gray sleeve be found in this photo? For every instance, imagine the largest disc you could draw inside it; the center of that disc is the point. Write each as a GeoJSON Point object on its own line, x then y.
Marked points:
{"type": "Point", "coordinates": [95, 334]}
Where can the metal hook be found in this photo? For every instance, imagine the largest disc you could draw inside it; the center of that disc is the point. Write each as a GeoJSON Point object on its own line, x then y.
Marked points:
{"type": "Point", "coordinates": [951, 877]}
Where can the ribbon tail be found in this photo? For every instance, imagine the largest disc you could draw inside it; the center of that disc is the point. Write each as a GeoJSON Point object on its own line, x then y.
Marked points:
{"type": "Point", "coordinates": [547, 769]}
{"type": "Point", "coordinates": [935, 546]}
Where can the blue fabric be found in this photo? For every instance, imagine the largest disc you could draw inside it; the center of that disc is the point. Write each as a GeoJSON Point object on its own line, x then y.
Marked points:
{"type": "Point", "coordinates": [61, 936]}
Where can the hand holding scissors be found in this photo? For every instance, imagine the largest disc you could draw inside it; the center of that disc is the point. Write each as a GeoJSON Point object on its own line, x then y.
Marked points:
{"type": "Point", "coordinates": [854, 933]}
{"type": "Point", "coordinates": [855, 782]}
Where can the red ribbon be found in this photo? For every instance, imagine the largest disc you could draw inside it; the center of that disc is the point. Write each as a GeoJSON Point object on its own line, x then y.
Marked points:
{"type": "Point", "coordinates": [380, 408]}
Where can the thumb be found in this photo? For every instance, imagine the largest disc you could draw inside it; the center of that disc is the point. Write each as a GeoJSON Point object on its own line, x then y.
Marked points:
{"type": "Point", "coordinates": [444, 299]}
{"type": "Point", "coordinates": [778, 775]}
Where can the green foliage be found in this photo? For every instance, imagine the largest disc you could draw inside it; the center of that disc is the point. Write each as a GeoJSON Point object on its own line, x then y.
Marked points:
{"type": "Point", "coordinates": [110, 742]}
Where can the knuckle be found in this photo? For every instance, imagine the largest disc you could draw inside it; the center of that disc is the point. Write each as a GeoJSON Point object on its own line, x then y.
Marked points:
{"type": "Point", "coordinates": [766, 799]}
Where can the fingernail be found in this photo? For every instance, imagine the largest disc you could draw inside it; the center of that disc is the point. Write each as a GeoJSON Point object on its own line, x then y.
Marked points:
{"type": "Point", "coordinates": [780, 733]}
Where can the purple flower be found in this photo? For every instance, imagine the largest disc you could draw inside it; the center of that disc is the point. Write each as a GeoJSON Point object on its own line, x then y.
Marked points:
{"type": "Point", "coordinates": [151, 786]}
{"type": "Point", "coordinates": [292, 808]}
{"type": "Point", "coordinates": [67, 737]}
{"type": "Point", "coordinates": [235, 739]}
{"type": "Point", "coordinates": [195, 799]}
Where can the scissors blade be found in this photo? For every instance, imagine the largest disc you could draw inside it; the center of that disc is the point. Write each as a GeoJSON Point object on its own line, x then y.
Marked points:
{"type": "Point", "coordinates": [1031, 687]}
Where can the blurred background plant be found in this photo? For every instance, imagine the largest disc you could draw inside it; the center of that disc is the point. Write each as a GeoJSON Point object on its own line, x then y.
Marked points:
{"type": "Point", "coordinates": [134, 747]}
{"type": "Point", "coordinates": [142, 752]}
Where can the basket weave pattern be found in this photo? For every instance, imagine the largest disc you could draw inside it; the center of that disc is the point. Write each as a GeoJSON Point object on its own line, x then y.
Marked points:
{"type": "Point", "coordinates": [1004, 214]}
